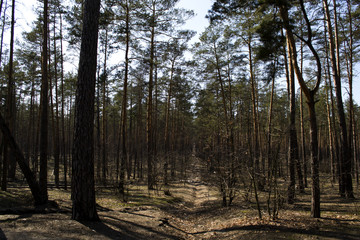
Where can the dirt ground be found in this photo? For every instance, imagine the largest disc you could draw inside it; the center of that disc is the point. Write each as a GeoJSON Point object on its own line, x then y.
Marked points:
{"type": "Point", "coordinates": [192, 211]}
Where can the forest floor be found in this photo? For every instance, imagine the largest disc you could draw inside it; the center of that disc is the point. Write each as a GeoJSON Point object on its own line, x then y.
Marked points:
{"type": "Point", "coordinates": [189, 210]}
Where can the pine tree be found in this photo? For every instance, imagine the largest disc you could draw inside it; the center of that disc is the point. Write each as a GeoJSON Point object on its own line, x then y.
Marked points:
{"type": "Point", "coordinates": [83, 188]}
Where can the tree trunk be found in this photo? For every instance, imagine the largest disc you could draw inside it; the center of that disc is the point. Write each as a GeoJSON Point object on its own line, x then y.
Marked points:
{"type": "Point", "coordinates": [315, 190]}
{"type": "Point", "coordinates": [29, 175]}
{"type": "Point", "coordinates": [55, 115]}
{"type": "Point", "coordinates": [70, 131]}
{"type": "Point", "coordinates": [269, 134]}
{"type": "Point", "coordinates": [302, 130]}
{"type": "Point", "coordinates": [255, 143]}
{"type": "Point", "coordinates": [331, 143]}
{"type": "Point", "coordinates": [63, 144]}
{"type": "Point", "coordinates": [44, 107]}
{"type": "Point", "coordinates": [98, 131]}
{"type": "Point", "coordinates": [11, 105]}
{"type": "Point", "coordinates": [3, 164]}
{"type": "Point", "coordinates": [293, 151]}
{"type": "Point", "coordinates": [167, 124]}
{"type": "Point", "coordinates": [124, 104]}
{"type": "Point", "coordinates": [139, 138]}
{"type": "Point", "coordinates": [350, 61]}
{"type": "Point", "coordinates": [104, 114]}
{"type": "Point", "coordinates": [149, 118]}
{"type": "Point", "coordinates": [2, 28]}
{"type": "Point", "coordinates": [315, 202]}
{"type": "Point", "coordinates": [83, 186]}
{"type": "Point", "coordinates": [303, 146]}
{"type": "Point", "coordinates": [330, 109]}
{"type": "Point", "coordinates": [155, 118]}
{"type": "Point", "coordinates": [345, 181]}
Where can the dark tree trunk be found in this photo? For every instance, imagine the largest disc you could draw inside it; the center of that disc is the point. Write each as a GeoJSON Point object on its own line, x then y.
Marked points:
{"type": "Point", "coordinates": [103, 79]}
{"type": "Point", "coordinates": [330, 109]}
{"type": "Point", "coordinates": [255, 163]}
{"type": "Point", "coordinates": [2, 28]}
{"type": "Point", "coordinates": [167, 124]}
{"type": "Point", "coordinates": [29, 175]}
{"type": "Point", "coordinates": [10, 104]}
{"type": "Point", "coordinates": [350, 72]}
{"type": "Point", "coordinates": [44, 108]}
{"type": "Point", "coordinates": [63, 106]}
{"type": "Point", "coordinates": [292, 133]}
{"type": "Point", "coordinates": [124, 105]}
{"type": "Point", "coordinates": [9, 107]}
{"type": "Point", "coordinates": [315, 197]}
{"type": "Point", "coordinates": [83, 186]}
{"type": "Point", "coordinates": [345, 181]}
{"type": "Point", "coordinates": [98, 132]}
{"type": "Point", "coordinates": [330, 132]}
{"type": "Point", "coordinates": [55, 115]}
{"type": "Point", "coordinates": [303, 147]}
{"type": "Point", "coordinates": [5, 165]}
{"type": "Point", "coordinates": [149, 122]}
{"type": "Point", "coordinates": [293, 144]}
{"type": "Point", "coordinates": [315, 190]}
{"type": "Point", "coordinates": [269, 132]}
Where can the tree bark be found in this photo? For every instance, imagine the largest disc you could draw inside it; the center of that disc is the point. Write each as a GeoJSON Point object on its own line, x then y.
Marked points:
{"type": "Point", "coordinates": [98, 131]}
{"type": "Point", "coordinates": [350, 66]}
{"type": "Point", "coordinates": [269, 133]}
{"type": "Point", "coordinates": [9, 107]}
{"type": "Point", "coordinates": [315, 200]}
{"type": "Point", "coordinates": [345, 181]}
{"type": "Point", "coordinates": [104, 113]}
{"type": "Point", "coordinates": [55, 116]}
{"type": "Point", "coordinates": [331, 143]}
{"type": "Point", "coordinates": [10, 101]}
{"type": "Point", "coordinates": [167, 123]}
{"type": "Point", "coordinates": [124, 103]}
{"type": "Point", "coordinates": [293, 150]}
{"type": "Point", "coordinates": [2, 27]}
{"type": "Point", "coordinates": [303, 146]}
{"type": "Point", "coordinates": [315, 190]}
{"type": "Point", "coordinates": [83, 186]}
{"type": "Point", "coordinates": [44, 107]}
{"type": "Point", "coordinates": [256, 161]}
{"type": "Point", "coordinates": [149, 117]}
{"type": "Point", "coordinates": [63, 144]}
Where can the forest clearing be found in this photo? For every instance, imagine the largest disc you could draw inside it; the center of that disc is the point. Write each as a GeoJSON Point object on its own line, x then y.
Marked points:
{"type": "Point", "coordinates": [190, 209]}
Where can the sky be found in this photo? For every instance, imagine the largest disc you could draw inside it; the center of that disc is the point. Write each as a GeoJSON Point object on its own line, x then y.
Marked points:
{"type": "Point", "coordinates": [198, 22]}
{"type": "Point", "coordinates": [25, 15]}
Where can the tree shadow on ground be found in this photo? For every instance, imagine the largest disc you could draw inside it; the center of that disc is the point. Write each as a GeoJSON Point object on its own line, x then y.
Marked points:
{"type": "Point", "coordinates": [115, 228]}
{"type": "Point", "coordinates": [2, 235]}
{"type": "Point", "coordinates": [330, 204]}
{"type": "Point", "coordinates": [337, 234]}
